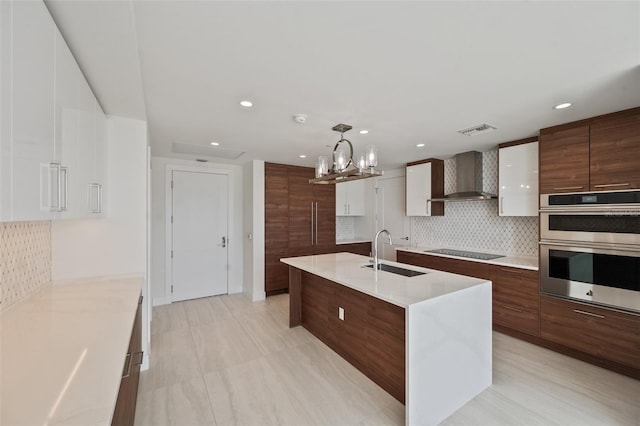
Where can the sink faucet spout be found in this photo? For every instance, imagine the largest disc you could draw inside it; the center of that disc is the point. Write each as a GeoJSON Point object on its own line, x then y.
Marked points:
{"type": "Point", "coordinates": [375, 247]}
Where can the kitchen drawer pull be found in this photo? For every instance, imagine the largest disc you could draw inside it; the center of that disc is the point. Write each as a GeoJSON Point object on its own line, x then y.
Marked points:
{"type": "Point", "coordinates": [609, 185]}
{"type": "Point", "coordinates": [501, 205]}
{"type": "Point", "coordinates": [562, 188]}
{"type": "Point", "coordinates": [578, 311]}
{"type": "Point", "coordinates": [511, 271]}
{"type": "Point", "coordinates": [127, 366]}
{"type": "Point", "coordinates": [513, 309]}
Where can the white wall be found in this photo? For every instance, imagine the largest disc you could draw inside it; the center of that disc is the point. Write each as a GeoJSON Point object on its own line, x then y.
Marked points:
{"type": "Point", "coordinates": [117, 243]}
{"type": "Point", "coordinates": [158, 224]}
{"type": "Point", "coordinates": [254, 230]}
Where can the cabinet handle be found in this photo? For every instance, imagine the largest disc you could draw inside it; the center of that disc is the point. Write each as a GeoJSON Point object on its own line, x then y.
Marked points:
{"type": "Point", "coordinates": [511, 271]}
{"type": "Point", "coordinates": [316, 223]}
{"type": "Point", "coordinates": [562, 188]}
{"type": "Point", "coordinates": [578, 311]}
{"type": "Point", "coordinates": [501, 205]}
{"type": "Point", "coordinates": [609, 185]}
{"type": "Point", "coordinates": [311, 223]}
{"type": "Point", "coordinates": [127, 366]}
{"type": "Point", "coordinates": [513, 309]}
{"type": "Point", "coordinates": [57, 207]}
{"type": "Point", "coordinates": [98, 193]}
{"type": "Point", "coordinates": [63, 206]}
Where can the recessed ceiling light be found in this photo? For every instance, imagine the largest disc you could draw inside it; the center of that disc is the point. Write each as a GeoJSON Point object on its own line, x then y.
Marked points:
{"type": "Point", "coordinates": [303, 156]}
{"type": "Point", "coordinates": [215, 143]}
{"type": "Point", "coordinates": [246, 104]}
{"type": "Point", "coordinates": [420, 145]}
{"type": "Point", "coordinates": [364, 132]}
{"type": "Point", "coordinates": [562, 105]}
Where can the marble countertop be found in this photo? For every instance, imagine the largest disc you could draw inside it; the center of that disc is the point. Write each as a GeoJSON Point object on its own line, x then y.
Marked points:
{"type": "Point", "coordinates": [347, 269]}
{"type": "Point", "coordinates": [523, 262]}
{"type": "Point", "coordinates": [63, 351]}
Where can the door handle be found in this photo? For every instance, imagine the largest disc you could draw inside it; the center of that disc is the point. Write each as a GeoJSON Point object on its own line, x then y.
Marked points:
{"type": "Point", "coordinates": [405, 238]}
{"type": "Point", "coordinates": [224, 242]}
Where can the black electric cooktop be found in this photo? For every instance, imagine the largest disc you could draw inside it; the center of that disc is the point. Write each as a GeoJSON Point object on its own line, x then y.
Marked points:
{"type": "Point", "coordinates": [468, 254]}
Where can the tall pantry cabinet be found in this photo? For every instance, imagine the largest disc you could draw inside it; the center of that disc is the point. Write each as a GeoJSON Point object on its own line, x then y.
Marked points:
{"type": "Point", "coordinates": [299, 220]}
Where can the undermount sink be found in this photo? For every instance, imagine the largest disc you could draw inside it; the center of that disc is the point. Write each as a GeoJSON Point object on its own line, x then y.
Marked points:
{"type": "Point", "coordinates": [396, 270]}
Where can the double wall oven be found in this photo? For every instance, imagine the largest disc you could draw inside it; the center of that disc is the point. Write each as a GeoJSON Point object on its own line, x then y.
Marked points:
{"type": "Point", "coordinates": [590, 247]}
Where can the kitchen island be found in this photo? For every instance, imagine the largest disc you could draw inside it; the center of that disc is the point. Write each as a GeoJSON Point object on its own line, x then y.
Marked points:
{"type": "Point", "coordinates": [425, 339]}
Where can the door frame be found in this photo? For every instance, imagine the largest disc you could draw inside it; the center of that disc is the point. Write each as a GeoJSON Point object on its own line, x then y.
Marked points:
{"type": "Point", "coordinates": [168, 175]}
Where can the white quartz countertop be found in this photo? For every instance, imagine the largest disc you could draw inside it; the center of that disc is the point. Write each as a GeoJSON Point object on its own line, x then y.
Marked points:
{"type": "Point", "coordinates": [347, 269]}
{"type": "Point", "coordinates": [63, 350]}
{"type": "Point", "coordinates": [353, 240]}
{"type": "Point", "coordinates": [523, 262]}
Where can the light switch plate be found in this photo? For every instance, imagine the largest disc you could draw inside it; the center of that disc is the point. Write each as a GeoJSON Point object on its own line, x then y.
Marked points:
{"type": "Point", "coordinates": [341, 313]}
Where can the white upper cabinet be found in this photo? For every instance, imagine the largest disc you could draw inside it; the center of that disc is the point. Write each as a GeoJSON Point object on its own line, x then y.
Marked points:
{"type": "Point", "coordinates": [425, 180]}
{"type": "Point", "coordinates": [5, 110]}
{"type": "Point", "coordinates": [67, 77]}
{"type": "Point", "coordinates": [350, 198]}
{"type": "Point", "coordinates": [52, 163]}
{"type": "Point", "coordinates": [35, 184]}
{"type": "Point", "coordinates": [518, 180]}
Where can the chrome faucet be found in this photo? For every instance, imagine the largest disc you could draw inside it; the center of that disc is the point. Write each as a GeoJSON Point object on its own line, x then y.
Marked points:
{"type": "Point", "coordinates": [375, 247]}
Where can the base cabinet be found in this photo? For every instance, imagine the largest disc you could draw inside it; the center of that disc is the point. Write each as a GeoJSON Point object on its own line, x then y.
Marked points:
{"type": "Point", "coordinates": [604, 333]}
{"type": "Point", "coordinates": [369, 333]}
{"type": "Point", "coordinates": [125, 411]}
{"type": "Point", "coordinates": [516, 299]}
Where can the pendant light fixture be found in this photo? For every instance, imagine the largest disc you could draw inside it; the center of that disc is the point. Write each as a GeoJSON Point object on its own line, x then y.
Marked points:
{"type": "Point", "coordinates": [342, 168]}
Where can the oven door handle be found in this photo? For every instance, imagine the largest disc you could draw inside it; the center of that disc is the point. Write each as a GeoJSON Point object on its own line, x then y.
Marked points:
{"type": "Point", "coordinates": [603, 209]}
{"type": "Point", "coordinates": [634, 249]}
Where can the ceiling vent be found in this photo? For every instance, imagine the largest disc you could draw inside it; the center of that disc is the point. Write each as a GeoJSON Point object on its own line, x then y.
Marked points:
{"type": "Point", "coordinates": [476, 130]}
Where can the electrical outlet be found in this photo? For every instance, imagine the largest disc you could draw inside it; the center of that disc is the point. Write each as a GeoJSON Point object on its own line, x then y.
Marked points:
{"type": "Point", "coordinates": [341, 313]}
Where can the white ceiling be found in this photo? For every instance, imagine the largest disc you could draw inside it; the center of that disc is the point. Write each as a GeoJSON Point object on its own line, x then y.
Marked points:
{"type": "Point", "coordinates": [409, 72]}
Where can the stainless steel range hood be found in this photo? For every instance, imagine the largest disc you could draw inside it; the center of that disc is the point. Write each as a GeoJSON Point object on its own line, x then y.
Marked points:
{"type": "Point", "coordinates": [468, 179]}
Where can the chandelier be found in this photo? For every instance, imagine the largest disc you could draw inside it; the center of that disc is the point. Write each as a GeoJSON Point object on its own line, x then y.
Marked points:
{"type": "Point", "coordinates": [342, 168]}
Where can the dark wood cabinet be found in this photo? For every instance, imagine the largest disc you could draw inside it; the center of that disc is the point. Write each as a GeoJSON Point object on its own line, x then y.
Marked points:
{"type": "Point", "coordinates": [516, 299]}
{"type": "Point", "coordinates": [615, 153]}
{"type": "Point", "coordinates": [455, 266]}
{"type": "Point", "coordinates": [597, 154]}
{"type": "Point", "coordinates": [564, 160]}
{"type": "Point", "coordinates": [605, 333]}
{"type": "Point", "coordinates": [371, 336]}
{"type": "Point", "coordinates": [300, 220]}
{"type": "Point", "coordinates": [125, 411]}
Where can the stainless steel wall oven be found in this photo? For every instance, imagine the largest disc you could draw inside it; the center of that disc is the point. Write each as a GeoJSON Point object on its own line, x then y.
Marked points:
{"type": "Point", "coordinates": [590, 247]}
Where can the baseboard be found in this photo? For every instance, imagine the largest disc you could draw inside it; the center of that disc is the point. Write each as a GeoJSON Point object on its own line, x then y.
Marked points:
{"type": "Point", "coordinates": [159, 301]}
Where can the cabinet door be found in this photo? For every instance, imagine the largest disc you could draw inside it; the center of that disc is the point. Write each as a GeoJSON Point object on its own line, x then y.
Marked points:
{"type": "Point", "coordinates": [342, 202]}
{"type": "Point", "coordinates": [276, 218]}
{"type": "Point", "coordinates": [605, 333]}
{"type": "Point", "coordinates": [615, 154]}
{"type": "Point", "coordinates": [518, 180]}
{"type": "Point", "coordinates": [324, 215]}
{"type": "Point", "coordinates": [87, 144]}
{"type": "Point", "coordinates": [564, 160]}
{"type": "Point", "coordinates": [302, 208]}
{"type": "Point", "coordinates": [33, 41]}
{"type": "Point", "coordinates": [5, 110]}
{"type": "Point", "coordinates": [67, 77]}
{"type": "Point", "coordinates": [356, 196]}
{"type": "Point", "coordinates": [418, 189]}
{"type": "Point", "coordinates": [516, 298]}
{"type": "Point", "coordinates": [447, 264]}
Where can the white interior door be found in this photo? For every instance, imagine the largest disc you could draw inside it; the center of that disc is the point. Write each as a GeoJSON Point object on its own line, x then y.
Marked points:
{"type": "Point", "coordinates": [199, 234]}
{"type": "Point", "coordinates": [390, 215]}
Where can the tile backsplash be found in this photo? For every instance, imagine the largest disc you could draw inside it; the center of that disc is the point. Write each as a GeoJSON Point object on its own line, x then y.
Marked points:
{"type": "Point", "coordinates": [345, 228]}
{"type": "Point", "coordinates": [25, 259]}
{"type": "Point", "coordinates": [475, 225]}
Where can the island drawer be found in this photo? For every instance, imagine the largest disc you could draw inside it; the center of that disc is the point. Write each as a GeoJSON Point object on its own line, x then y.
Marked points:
{"type": "Point", "coordinates": [446, 264]}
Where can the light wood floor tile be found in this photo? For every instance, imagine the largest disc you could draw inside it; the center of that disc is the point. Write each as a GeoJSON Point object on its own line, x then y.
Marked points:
{"type": "Point", "coordinates": [205, 311]}
{"type": "Point", "coordinates": [172, 360]}
{"type": "Point", "coordinates": [223, 344]}
{"type": "Point", "coordinates": [238, 361]}
{"type": "Point", "coordinates": [167, 318]}
{"type": "Point", "coordinates": [181, 404]}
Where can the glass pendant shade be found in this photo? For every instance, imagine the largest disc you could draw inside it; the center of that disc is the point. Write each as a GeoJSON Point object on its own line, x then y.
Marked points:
{"type": "Point", "coordinates": [371, 155]}
{"type": "Point", "coordinates": [322, 166]}
{"type": "Point", "coordinates": [341, 157]}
